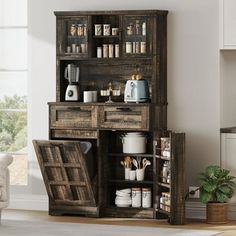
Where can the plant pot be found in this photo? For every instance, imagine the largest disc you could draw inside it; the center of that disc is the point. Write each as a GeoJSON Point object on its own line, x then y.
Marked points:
{"type": "Point", "coordinates": [217, 213]}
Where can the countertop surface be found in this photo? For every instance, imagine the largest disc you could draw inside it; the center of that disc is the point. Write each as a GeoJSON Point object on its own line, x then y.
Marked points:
{"type": "Point", "coordinates": [228, 130]}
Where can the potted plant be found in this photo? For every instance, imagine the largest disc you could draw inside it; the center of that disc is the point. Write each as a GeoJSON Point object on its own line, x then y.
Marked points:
{"type": "Point", "coordinates": [216, 188]}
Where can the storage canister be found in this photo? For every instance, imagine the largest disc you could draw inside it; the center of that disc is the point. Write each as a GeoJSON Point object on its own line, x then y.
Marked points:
{"type": "Point", "coordinates": [80, 30]}
{"type": "Point", "coordinates": [143, 47]}
{"type": "Point", "coordinates": [111, 50]}
{"type": "Point", "coordinates": [105, 50]}
{"type": "Point", "coordinates": [106, 29]}
{"type": "Point", "coordinates": [99, 52]}
{"type": "Point", "coordinates": [117, 50]}
{"type": "Point", "coordinates": [73, 29]}
{"type": "Point", "coordinates": [144, 28]}
{"type": "Point", "coordinates": [128, 47]}
{"type": "Point", "coordinates": [136, 197]}
{"type": "Point", "coordinates": [98, 29]}
{"type": "Point", "coordinates": [134, 142]}
{"type": "Point", "coordinates": [146, 197]}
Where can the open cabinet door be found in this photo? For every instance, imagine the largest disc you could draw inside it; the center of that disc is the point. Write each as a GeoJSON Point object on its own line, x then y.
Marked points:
{"type": "Point", "coordinates": [178, 190]}
{"type": "Point", "coordinates": [66, 177]}
{"type": "Point", "coordinates": [170, 187]}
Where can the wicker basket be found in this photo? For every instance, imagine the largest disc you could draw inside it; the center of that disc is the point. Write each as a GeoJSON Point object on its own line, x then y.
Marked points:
{"type": "Point", "coordinates": [217, 213]}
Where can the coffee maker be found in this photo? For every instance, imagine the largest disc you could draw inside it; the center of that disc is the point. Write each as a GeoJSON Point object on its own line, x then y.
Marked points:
{"type": "Point", "coordinates": [72, 75]}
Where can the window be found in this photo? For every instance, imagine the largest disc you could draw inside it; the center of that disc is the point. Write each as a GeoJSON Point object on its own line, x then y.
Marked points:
{"type": "Point", "coordinates": [13, 86]}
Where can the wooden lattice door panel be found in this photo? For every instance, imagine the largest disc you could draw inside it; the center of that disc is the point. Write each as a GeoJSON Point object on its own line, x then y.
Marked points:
{"type": "Point", "coordinates": [65, 173]}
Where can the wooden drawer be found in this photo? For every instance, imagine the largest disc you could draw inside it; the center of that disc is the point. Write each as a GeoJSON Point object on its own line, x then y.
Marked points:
{"type": "Point", "coordinates": [73, 116]}
{"type": "Point", "coordinates": [73, 133]}
{"type": "Point", "coordinates": [124, 117]}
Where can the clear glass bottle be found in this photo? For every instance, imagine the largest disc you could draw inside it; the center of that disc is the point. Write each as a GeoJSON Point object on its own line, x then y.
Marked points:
{"type": "Point", "coordinates": [144, 28]}
{"type": "Point", "coordinates": [73, 30]}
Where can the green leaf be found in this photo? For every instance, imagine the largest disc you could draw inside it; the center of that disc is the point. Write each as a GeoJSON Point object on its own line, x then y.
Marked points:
{"type": "Point", "coordinates": [216, 184]}
{"type": "Point", "coordinates": [205, 197]}
{"type": "Point", "coordinates": [209, 187]}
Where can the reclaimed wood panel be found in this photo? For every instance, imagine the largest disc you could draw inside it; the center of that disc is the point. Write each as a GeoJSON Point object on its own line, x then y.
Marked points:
{"type": "Point", "coordinates": [123, 117]}
{"type": "Point", "coordinates": [64, 183]}
{"type": "Point", "coordinates": [73, 134]}
{"type": "Point", "coordinates": [73, 116]}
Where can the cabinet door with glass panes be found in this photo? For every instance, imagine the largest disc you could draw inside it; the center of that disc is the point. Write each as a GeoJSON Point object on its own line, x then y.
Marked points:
{"type": "Point", "coordinates": [136, 35]}
{"type": "Point", "coordinates": [73, 36]}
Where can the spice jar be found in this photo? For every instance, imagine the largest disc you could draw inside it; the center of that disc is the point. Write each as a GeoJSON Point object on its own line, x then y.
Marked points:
{"type": "Point", "coordinates": [111, 50]}
{"type": "Point", "coordinates": [143, 47]}
{"type": "Point", "coordinates": [130, 29]}
{"type": "Point", "coordinates": [144, 28]}
{"type": "Point", "coordinates": [72, 30]}
{"type": "Point", "coordinates": [137, 27]}
{"type": "Point", "coordinates": [105, 50]}
{"type": "Point", "coordinates": [85, 30]}
{"type": "Point", "coordinates": [80, 30]}
{"type": "Point", "coordinates": [128, 47]}
{"type": "Point", "coordinates": [117, 50]}
{"type": "Point", "coordinates": [99, 52]}
{"type": "Point", "coordinates": [146, 197]}
{"type": "Point", "coordinates": [136, 197]}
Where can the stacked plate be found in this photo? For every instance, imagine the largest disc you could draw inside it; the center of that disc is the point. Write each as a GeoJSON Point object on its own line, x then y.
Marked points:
{"type": "Point", "coordinates": [123, 197]}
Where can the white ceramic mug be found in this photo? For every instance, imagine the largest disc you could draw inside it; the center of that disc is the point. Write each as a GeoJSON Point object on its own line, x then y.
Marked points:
{"type": "Point", "coordinates": [132, 175]}
{"type": "Point", "coordinates": [88, 96]}
{"type": "Point", "coordinates": [127, 173]}
{"type": "Point", "coordinates": [94, 96]}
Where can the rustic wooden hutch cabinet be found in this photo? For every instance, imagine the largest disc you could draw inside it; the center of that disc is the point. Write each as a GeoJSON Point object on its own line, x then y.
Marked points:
{"type": "Point", "coordinates": [138, 46]}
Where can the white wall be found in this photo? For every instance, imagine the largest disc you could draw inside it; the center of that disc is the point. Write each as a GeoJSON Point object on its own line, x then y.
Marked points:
{"type": "Point", "coordinates": [228, 88]}
{"type": "Point", "coordinates": [193, 73]}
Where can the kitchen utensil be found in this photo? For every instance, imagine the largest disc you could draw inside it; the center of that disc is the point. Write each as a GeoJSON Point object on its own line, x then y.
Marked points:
{"type": "Point", "coordinates": [136, 91]}
{"type": "Point", "coordinates": [135, 163]}
{"type": "Point", "coordinates": [146, 163]}
{"type": "Point", "coordinates": [139, 162]}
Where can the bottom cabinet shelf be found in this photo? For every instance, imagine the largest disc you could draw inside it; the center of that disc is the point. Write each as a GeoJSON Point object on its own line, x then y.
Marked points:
{"type": "Point", "coordinates": [133, 212]}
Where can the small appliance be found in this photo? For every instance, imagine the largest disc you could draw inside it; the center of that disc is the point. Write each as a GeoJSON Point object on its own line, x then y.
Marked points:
{"type": "Point", "coordinates": [136, 91]}
{"type": "Point", "coordinates": [72, 75]}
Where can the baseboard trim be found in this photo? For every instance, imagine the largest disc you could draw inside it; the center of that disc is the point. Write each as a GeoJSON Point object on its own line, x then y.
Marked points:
{"type": "Point", "coordinates": [194, 209]}
{"type": "Point", "coordinates": [197, 210]}
{"type": "Point", "coordinates": [28, 202]}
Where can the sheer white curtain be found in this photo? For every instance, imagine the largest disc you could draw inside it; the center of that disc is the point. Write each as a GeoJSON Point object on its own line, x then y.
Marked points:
{"type": "Point", "coordinates": [13, 85]}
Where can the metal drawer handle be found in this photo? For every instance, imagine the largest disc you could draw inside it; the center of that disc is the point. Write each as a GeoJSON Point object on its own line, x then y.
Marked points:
{"type": "Point", "coordinates": [123, 108]}
{"type": "Point", "coordinates": [74, 108]}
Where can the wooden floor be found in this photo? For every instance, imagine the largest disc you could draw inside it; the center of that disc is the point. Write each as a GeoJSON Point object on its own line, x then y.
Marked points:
{"type": "Point", "coordinates": [226, 229]}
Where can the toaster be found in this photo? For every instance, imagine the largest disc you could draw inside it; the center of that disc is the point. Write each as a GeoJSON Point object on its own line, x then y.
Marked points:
{"type": "Point", "coordinates": [136, 91]}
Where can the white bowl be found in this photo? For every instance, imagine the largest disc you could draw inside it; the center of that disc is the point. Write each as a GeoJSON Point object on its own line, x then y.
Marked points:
{"type": "Point", "coordinates": [125, 190]}
{"type": "Point", "coordinates": [122, 194]}
{"type": "Point", "coordinates": [123, 199]}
